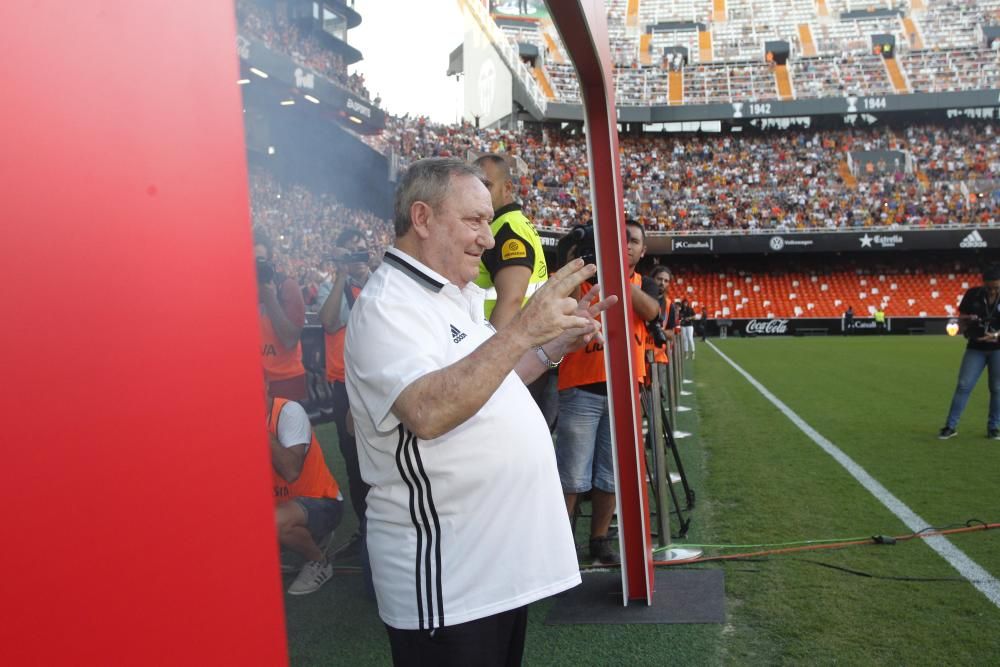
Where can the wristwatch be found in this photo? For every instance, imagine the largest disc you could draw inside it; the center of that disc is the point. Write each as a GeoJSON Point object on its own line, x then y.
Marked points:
{"type": "Point", "coordinates": [544, 358]}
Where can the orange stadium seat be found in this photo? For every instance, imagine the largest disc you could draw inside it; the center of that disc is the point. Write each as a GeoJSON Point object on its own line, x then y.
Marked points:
{"type": "Point", "coordinates": [812, 295]}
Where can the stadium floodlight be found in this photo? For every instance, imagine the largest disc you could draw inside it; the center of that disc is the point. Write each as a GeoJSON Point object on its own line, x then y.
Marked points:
{"type": "Point", "coordinates": [311, 99]}
{"type": "Point", "coordinates": [286, 103]}
{"type": "Point", "coordinates": [259, 72]}
{"type": "Point", "coordinates": [242, 82]}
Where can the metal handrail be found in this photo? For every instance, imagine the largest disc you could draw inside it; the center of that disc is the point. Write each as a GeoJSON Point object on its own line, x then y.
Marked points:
{"type": "Point", "coordinates": [790, 232]}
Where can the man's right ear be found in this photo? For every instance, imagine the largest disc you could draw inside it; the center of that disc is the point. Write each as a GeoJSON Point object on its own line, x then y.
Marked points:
{"type": "Point", "coordinates": [509, 187]}
{"type": "Point", "coordinates": [420, 217]}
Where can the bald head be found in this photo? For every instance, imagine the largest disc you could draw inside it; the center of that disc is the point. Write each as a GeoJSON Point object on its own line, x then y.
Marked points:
{"type": "Point", "coordinates": [501, 183]}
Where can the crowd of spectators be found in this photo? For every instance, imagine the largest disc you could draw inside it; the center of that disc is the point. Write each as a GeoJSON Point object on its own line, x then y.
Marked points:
{"type": "Point", "coordinates": [779, 180]}
{"type": "Point", "coordinates": [783, 181]}
{"type": "Point", "coordinates": [279, 34]}
{"type": "Point", "coordinates": [942, 52]}
{"type": "Point", "coordinates": [304, 226]}
{"type": "Point", "coordinates": [954, 24]}
{"type": "Point", "coordinates": [947, 71]}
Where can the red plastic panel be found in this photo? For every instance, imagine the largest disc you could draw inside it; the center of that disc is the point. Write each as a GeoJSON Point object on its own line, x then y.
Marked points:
{"type": "Point", "coordinates": [138, 525]}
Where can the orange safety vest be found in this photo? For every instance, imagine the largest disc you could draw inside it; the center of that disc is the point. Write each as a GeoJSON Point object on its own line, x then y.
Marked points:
{"type": "Point", "coordinates": [586, 365]}
{"type": "Point", "coordinates": [640, 335]}
{"type": "Point", "coordinates": [659, 353]}
{"type": "Point", "coordinates": [280, 363]}
{"type": "Point", "coordinates": [315, 480]}
{"type": "Point", "coordinates": [335, 348]}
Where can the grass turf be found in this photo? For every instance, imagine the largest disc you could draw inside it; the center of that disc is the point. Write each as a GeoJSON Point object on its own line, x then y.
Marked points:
{"type": "Point", "coordinates": [881, 400]}
{"type": "Point", "coordinates": [759, 479]}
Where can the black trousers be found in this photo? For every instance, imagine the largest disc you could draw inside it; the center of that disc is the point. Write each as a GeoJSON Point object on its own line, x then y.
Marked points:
{"type": "Point", "coordinates": [494, 641]}
{"type": "Point", "coordinates": [349, 450]}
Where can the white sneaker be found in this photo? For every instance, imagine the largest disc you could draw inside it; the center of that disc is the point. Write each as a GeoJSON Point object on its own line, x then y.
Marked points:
{"type": "Point", "coordinates": [312, 576]}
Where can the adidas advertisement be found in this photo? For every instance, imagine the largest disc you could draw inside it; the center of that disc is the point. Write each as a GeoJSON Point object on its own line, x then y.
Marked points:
{"type": "Point", "coordinates": [973, 240]}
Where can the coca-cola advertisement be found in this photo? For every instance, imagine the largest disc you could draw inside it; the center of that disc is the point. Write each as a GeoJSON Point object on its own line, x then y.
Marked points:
{"type": "Point", "coordinates": [774, 327]}
{"type": "Point", "coordinates": [823, 326]}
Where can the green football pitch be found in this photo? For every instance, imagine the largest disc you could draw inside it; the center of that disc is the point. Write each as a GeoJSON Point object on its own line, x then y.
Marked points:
{"type": "Point", "coordinates": [762, 480]}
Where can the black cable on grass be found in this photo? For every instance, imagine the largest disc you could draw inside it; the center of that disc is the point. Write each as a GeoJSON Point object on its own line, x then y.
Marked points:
{"type": "Point", "coordinates": [840, 568]}
{"type": "Point", "coordinates": [886, 577]}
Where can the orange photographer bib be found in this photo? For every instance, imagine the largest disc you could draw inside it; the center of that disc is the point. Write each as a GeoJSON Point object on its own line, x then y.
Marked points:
{"type": "Point", "coordinates": [586, 365]}
{"type": "Point", "coordinates": [335, 348]}
{"type": "Point", "coordinates": [315, 480]}
{"type": "Point", "coordinates": [280, 363]}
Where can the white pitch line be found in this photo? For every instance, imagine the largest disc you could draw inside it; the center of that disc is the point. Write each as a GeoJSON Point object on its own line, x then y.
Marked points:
{"type": "Point", "coordinates": [984, 582]}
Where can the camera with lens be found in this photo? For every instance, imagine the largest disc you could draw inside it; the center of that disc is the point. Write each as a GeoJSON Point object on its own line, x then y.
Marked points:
{"type": "Point", "coordinates": [980, 328]}
{"type": "Point", "coordinates": [361, 256]}
{"type": "Point", "coordinates": [265, 270]}
{"type": "Point", "coordinates": [658, 335]}
{"type": "Point", "coordinates": [580, 241]}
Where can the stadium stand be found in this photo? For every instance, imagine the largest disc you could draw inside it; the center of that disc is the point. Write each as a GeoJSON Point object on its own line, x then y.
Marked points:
{"type": "Point", "coordinates": [900, 292]}
{"type": "Point", "coordinates": [939, 47]}
{"type": "Point", "coordinates": [946, 71]}
{"type": "Point", "coordinates": [754, 182]}
{"type": "Point", "coordinates": [953, 24]}
{"type": "Point", "coordinates": [784, 181]}
{"type": "Point", "coordinates": [712, 83]}
{"type": "Point", "coordinates": [930, 174]}
{"type": "Point", "coordinates": [273, 28]}
{"type": "Point", "coordinates": [840, 75]}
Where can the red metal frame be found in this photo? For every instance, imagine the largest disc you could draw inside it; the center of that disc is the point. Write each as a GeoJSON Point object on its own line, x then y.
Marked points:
{"type": "Point", "coordinates": [582, 24]}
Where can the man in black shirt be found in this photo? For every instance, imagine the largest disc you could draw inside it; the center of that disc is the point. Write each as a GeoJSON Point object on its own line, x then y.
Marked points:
{"type": "Point", "coordinates": [979, 320]}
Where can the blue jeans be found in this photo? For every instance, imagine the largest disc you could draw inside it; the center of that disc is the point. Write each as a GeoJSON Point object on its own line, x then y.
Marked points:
{"type": "Point", "coordinates": [583, 442]}
{"type": "Point", "coordinates": [972, 367]}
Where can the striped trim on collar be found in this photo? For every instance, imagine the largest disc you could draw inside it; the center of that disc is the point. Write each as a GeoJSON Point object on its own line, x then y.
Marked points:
{"type": "Point", "coordinates": [413, 269]}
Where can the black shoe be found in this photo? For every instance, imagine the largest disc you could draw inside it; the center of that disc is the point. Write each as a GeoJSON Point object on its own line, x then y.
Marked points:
{"type": "Point", "coordinates": [348, 550]}
{"type": "Point", "coordinates": [947, 432]}
{"type": "Point", "coordinates": [601, 550]}
{"type": "Point", "coordinates": [993, 434]}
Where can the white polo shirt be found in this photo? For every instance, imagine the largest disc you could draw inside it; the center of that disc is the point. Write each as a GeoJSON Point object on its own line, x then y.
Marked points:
{"type": "Point", "coordinates": [472, 523]}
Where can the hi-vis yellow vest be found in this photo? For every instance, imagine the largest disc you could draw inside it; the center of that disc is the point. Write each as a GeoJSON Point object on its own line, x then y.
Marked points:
{"type": "Point", "coordinates": [512, 249]}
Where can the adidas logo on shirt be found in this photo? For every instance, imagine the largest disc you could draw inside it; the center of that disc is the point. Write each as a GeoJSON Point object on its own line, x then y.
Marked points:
{"type": "Point", "coordinates": [973, 240]}
{"type": "Point", "coordinates": [456, 335]}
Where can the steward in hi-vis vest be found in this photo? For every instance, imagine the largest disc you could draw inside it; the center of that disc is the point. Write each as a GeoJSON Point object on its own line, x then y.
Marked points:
{"type": "Point", "coordinates": [517, 244]}
{"type": "Point", "coordinates": [514, 268]}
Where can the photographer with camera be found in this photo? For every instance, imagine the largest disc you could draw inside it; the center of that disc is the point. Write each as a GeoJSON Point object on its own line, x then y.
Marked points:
{"type": "Point", "coordinates": [351, 258]}
{"type": "Point", "coordinates": [979, 321]}
{"type": "Point", "coordinates": [662, 330]}
{"type": "Point", "coordinates": [282, 318]}
{"type": "Point", "coordinates": [583, 441]}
